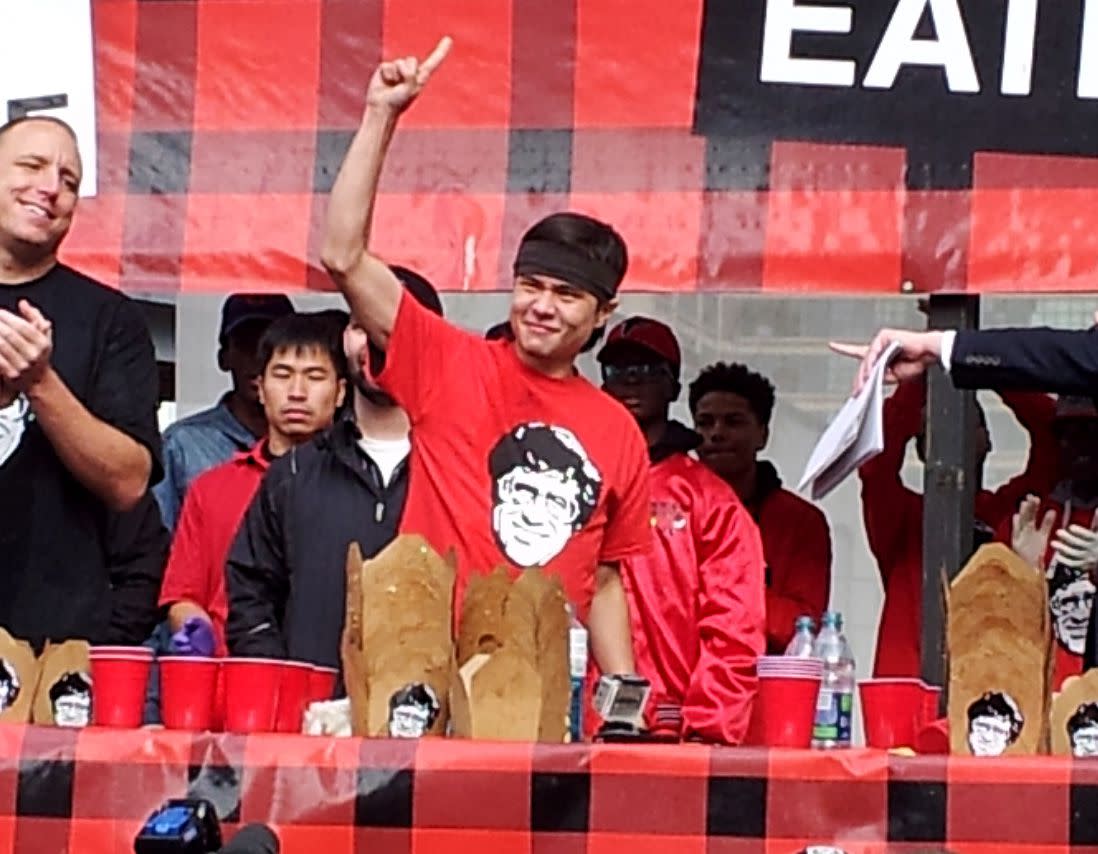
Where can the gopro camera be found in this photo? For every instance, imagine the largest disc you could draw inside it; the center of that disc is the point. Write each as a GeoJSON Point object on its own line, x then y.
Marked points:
{"type": "Point", "coordinates": [181, 826]}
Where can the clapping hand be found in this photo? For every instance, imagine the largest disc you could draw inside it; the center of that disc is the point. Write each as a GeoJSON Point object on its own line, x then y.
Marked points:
{"type": "Point", "coordinates": [1077, 545]}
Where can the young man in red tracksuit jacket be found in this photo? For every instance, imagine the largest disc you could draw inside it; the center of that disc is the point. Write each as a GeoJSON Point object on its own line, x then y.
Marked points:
{"type": "Point", "coordinates": [731, 406]}
{"type": "Point", "coordinates": [696, 600]}
{"type": "Point", "coordinates": [893, 514]}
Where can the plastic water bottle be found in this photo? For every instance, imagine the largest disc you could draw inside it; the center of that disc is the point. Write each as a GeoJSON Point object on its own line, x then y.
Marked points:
{"type": "Point", "coordinates": [835, 706]}
{"type": "Point", "coordinates": [577, 668]}
{"type": "Point", "coordinates": [804, 638]}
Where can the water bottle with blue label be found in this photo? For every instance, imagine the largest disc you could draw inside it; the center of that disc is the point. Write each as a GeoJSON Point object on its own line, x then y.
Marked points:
{"type": "Point", "coordinates": [577, 667]}
{"type": "Point", "coordinates": [835, 706]}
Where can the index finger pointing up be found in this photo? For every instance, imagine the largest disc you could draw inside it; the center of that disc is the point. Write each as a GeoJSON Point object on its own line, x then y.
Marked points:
{"type": "Point", "coordinates": [428, 66]}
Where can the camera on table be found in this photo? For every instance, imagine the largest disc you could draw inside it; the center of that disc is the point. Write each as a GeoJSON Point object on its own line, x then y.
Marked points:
{"type": "Point", "coordinates": [180, 826]}
{"type": "Point", "coordinates": [190, 826]}
{"type": "Point", "coordinates": [620, 700]}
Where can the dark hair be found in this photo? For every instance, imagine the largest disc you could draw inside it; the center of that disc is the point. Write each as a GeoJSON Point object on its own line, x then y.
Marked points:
{"type": "Point", "coordinates": [500, 330]}
{"type": "Point", "coordinates": [596, 240]}
{"type": "Point", "coordinates": [540, 447]}
{"type": "Point", "coordinates": [318, 330]}
{"type": "Point", "coordinates": [70, 683]}
{"type": "Point", "coordinates": [415, 694]}
{"type": "Point", "coordinates": [737, 379]}
{"type": "Point", "coordinates": [1085, 715]}
{"type": "Point", "coordinates": [36, 117]}
{"type": "Point", "coordinates": [1064, 576]}
{"type": "Point", "coordinates": [996, 704]}
{"type": "Point", "coordinates": [425, 293]}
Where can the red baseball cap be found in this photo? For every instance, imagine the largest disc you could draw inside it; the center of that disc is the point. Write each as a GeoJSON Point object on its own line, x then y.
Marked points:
{"type": "Point", "coordinates": [643, 333]}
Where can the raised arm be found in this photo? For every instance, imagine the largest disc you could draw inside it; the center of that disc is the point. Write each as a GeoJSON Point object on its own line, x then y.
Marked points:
{"type": "Point", "coordinates": [371, 289]}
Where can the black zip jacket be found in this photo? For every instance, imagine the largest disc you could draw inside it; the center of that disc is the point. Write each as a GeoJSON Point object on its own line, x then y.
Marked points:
{"type": "Point", "coordinates": [287, 567]}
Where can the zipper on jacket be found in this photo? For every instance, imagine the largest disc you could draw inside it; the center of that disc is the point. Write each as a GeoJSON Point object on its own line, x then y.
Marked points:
{"type": "Point", "coordinates": [379, 511]}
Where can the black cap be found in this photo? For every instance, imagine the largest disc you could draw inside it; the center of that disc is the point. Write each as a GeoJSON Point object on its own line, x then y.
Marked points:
{"type": "Point", "coordinates": [240, 308]}
{"type": "Point", "coordinates": [419, 287]}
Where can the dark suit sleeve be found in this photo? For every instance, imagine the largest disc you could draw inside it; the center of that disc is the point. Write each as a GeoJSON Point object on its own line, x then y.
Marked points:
{"type": "Point", "coordinates": [257, 576]}
{"type": "Point", "coordinates": [1039, 359]}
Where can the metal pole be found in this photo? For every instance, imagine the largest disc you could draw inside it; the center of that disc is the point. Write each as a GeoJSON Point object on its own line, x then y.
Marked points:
{"type": "Point", "coordinates": [949, 482]}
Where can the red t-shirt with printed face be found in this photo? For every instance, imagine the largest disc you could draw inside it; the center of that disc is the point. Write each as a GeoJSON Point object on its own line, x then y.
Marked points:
{"type": "Point", "coordinates": [510, 467]}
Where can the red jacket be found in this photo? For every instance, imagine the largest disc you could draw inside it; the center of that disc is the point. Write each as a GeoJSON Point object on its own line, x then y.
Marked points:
{"type": "Point", "coordinates": [212, 511]}
{"type": "Point", "coordinates": [893, 514]}
{"type": "Point", "coordinates": [697, 600]}
{"type": "Point", "coordinates": [797, 544]}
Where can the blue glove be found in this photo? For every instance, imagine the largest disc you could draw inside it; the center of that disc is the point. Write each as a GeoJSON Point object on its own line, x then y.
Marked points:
{"type": "Point", "coordinates": [195, 638]}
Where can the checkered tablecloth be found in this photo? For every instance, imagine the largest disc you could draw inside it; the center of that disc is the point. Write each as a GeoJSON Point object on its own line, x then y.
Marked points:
{"type": "Point", "coordinates": [222, 124]}
{"type": "Point", "coordinates": [88, 792]}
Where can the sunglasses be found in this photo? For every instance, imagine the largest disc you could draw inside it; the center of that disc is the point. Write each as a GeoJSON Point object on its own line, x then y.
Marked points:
{"type": "Point", "coordinates": [643, 372]}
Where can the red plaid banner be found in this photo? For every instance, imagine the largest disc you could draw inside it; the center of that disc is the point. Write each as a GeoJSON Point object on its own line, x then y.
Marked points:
{"type": "Point", "coordinates": [221, 124]}
{"type": "Point", "coordinates": [90, 791]}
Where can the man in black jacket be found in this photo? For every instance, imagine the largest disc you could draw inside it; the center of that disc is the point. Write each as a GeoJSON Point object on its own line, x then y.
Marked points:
{"type": "Point", "coordinates": [286, 569]}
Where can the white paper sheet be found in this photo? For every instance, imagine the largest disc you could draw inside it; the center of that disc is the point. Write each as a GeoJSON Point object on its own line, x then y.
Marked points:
{"type": "Point", "coordinates": [853, 437]}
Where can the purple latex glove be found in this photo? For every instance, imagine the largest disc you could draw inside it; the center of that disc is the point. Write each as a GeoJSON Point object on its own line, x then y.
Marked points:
{"type": "Point", "coordinates": [195, 638]}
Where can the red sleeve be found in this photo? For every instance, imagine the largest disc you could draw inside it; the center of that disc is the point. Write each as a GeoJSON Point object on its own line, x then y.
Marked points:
{"type": "Point", "coordinates": [629, 508]}
{"type": "Point", "coordinates": [424, 354]}
{"type": "Point", "coordinates": [800, 571]}
{"type": "Point", "coordinates": [884, 496]}
{"type": "Point", "coordinates": [186, 575]}
{"type": "Point", "coordinates": [731, 624]}
{"type": "Point", "coordinates": [1036, 412]}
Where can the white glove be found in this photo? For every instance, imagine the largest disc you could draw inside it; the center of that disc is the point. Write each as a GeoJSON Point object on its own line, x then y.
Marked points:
{"type": "Point", "coordinates": [1077, 545]}
{"type": "Point", "coordinates": [1028, 539]}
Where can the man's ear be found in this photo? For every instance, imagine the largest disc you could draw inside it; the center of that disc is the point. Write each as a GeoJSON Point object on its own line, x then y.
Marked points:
{"type": "Point", "coordinates": [765, 437]}
{"type": "Point", "coordinates": [605, 311]}
{"type": "Point", "coordinates": [341, 393]}
{"type": "Point", "coordinates": [223, 358]}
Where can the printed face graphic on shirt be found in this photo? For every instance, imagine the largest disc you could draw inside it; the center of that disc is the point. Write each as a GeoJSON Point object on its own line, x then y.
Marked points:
{"type": "Point", "coordinates": [1082, 730]}
{"type": "Point", "coordinates": [13, 421]}
{"type": "Point", "coordinates": [1070, 601]}
{"type": "Point", "coordinates": [544, 489]}
{"type": "Point", "coordinates": [994, 723]}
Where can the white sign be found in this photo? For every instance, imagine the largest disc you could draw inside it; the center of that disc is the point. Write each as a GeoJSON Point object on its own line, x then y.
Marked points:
{"type": "Point", "coordinates": [47, 67]}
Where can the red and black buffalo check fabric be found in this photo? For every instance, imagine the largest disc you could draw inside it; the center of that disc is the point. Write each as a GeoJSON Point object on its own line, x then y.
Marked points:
{"type": "Point", "coordinates": [88, 792]}
{"type": "Point", "coordinates": [222, 124]}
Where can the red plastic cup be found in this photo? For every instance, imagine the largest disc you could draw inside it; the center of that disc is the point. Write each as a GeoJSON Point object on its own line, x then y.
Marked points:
{"type": "Point", "coordinates": [109, 651]}
{"type": "Point", "coordinates": [118, 690]}
{"type": "Point", "coordinates": [787, 709]}
{"type": "Point", "coordinates": [188, 688]}
{"type": "Point", "coordinates": [933, 737]}
{"type": "Point", "coordinates": [322, 681]}
{"type": "Point", "coordinates": [293, 695]}
{"type": "Point", "coordinates": [932, 695]}
{"type": "Point", "coordinates": [251, 694]}
{"type": "Point", "coordinates": [892, 711]}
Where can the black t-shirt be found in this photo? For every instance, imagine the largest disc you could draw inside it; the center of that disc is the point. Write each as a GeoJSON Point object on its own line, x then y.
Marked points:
{"type": "Point", "coordinates": [54, 580]}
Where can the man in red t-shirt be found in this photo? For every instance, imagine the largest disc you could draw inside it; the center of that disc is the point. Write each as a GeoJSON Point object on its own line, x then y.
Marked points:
{"type": "Point", "coordinates": [516, 460]}
{"type": "Point", "coordinates": [301, 386]}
